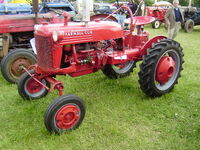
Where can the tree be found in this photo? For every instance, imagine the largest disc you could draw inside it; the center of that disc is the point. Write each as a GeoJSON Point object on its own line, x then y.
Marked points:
{"type": "Point", "coordinates": [196, 3]}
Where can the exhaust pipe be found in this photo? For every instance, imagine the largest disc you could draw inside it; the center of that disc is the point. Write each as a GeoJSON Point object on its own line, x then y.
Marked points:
{"type": "Point", "coordinates": [35, 9]}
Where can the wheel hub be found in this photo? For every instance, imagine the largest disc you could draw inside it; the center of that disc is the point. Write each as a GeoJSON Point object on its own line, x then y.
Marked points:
{"type": "Point", "coordinates": [33, 86]}
{"type": "Point", "coordinates": [67, 116]}
{"type": "Point", "coordinates": [16, 68]}
{"type": "Point", "coordinates": [157, 24]}
{"type": "Point", "coordinates": [165, 69]}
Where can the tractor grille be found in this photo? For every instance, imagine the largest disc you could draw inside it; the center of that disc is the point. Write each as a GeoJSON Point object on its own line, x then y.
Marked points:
{"type": "Point", "coordinates": [44, 51]}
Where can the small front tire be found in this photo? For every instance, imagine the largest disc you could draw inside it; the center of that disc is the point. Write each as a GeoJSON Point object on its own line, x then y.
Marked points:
{"type": "Point", "coordinates": [156, 24]}
{"type": "Point", "coordinates": [66, 113]}
{"type": "Point", "coordinates": [189, 25]}
{"type": "Point", "coordinates": [30, 89]}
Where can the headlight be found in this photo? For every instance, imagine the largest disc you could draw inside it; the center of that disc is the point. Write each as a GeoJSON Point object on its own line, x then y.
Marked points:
{"type": "Point", "coordinates": [55, 36]}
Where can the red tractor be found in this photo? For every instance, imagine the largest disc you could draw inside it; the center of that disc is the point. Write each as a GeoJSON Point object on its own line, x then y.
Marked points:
{"type": "Point", "coordinates": [78, 48]}
{"type": "Point", "coordinates": [158, 11]}
{"type": "Point", "coordinates": [159, 14]}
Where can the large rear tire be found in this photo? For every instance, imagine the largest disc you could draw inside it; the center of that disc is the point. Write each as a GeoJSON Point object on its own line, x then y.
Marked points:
{"type": "Point", "coordinates": [161, 68]}
{"type": "Point", "coordinates": [66, 113]}
{"type": "Point", "coordinates": [30, 89]}
{"type": "Point", "coordinates": [119, 70]}
{"type": "Point", "coordinates": [11, 64]}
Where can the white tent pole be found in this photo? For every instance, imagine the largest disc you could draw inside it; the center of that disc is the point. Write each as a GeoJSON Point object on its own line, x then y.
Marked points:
{"type": "Point", "coordinates": [190, 3]}
{"type": "Point", "coordinates": [86, 12]}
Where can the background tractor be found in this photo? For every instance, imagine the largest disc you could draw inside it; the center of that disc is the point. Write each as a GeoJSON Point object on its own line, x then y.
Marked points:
{"type": "Point", "coordinates": [80, 48]}
{"type": "Point", "coordinates": [16, 31]}
{"type": "Point", "coordinates": [192, 18]}
{"type": "Point", "coordinates": [158, 11]}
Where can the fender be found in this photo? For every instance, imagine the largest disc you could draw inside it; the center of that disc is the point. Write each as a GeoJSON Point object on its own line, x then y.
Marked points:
{"type": "Point", "coordinates": [149, 43]}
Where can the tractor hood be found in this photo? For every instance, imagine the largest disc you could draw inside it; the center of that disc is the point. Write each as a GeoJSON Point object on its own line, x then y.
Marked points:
{"type": "Point", "coordinates": [25, 22]}
{"type": "Point", "coordinates": [77, 32]}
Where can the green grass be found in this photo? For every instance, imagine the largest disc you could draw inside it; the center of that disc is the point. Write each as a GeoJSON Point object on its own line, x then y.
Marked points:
{"type": "Point", "coordinates": [119, 115]}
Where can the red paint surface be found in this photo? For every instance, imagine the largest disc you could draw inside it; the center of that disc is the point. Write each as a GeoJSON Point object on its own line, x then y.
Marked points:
{"type": "Point", "coordinates": [157, 12]}
{"type": "Point", "coordinates": [165, 69]}
{"type": "Point", "coordinates": [67, 116]}
{"type": "Point", "coordinates": [25, 22]}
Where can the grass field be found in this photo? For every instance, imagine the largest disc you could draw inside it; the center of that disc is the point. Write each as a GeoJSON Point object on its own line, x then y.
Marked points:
{"type": "Point", "coordinates": [119, 116]}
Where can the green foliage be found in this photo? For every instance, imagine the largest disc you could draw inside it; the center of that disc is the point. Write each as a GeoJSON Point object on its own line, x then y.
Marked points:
{"type": "Point", "coordinates": [119, 116]}
{"type": "Point", "coordinates": [196, 3]}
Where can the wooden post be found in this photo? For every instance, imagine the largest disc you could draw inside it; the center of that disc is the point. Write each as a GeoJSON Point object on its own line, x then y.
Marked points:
{"type": "Point", "coordinates": [86, 12]}
{"type": "Point", "coordinates": [190, 3]}
{"type": "Point", "coordinates": [5, 42]}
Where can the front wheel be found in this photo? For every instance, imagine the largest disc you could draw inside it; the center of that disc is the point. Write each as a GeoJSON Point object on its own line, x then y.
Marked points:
{"type": "Point", "coordinates": [64, 114]}
{"type": "Point", "coordinates": [29, 89]}
{"type": "Point", "coordinates": [156, 24]}
{"type": "Point", "coordinates": [119, 70]}
{"type": "Point", "coordinates": [161, 68]}
{"type": "Point", "coordinates": [189, 25]}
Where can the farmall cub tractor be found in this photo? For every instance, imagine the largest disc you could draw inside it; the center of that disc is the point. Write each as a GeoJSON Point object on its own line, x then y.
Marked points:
{"type": "Point", "coordinates": [78, 48]}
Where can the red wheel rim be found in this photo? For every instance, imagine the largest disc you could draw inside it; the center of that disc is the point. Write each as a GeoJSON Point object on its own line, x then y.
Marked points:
{"type": "Point", "coordinates": [67, 116]}
{"type": "Point", "coordinates": [165, 69]}
{"type": "Point", "coordinates": [33, 86]}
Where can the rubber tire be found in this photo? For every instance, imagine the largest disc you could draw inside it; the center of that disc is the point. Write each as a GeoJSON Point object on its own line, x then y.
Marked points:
{"type": "Point", "coordinates": [154, 24]}
{"type": "Point", "coordinates": [189, 25]}
{"type": "Point", "coordinates": [24, 77]}
{"type": "Point", "coordinates": [148, 67]}
{"type": "Point", "coordinates": [12, 56]}
{"type": "Point", "coordinates": [49, 116]}
{"type": "Point", "coordinates": [110, 72]}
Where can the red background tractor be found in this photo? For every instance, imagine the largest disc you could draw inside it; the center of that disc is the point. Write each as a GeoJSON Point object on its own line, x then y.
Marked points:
{"type": "Point", "coordinates": [159, 14]}
{"type": "Point", "coordinates": [16, 32]}
{"type": "Point", "coordinates": [158, 11]}
{"type": "Point", "coordinates": [80, 48]}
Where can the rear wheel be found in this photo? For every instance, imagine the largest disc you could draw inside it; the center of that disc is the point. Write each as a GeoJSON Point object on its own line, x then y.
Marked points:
{"type": "Point", "coordinates": [11, 64]}
{"type": "Point", "coordinates": [64, 114]}
{"type": "Point", "coordinates": [189, 25]}
{"type": "Point", "coordinates": [156, 24]}
{"type": "Point", "coordinates": [28, 88]}
{"type": "Point", "coordinates": [161, 68]}
{"type": "Point", "coordinates": [118, 70]}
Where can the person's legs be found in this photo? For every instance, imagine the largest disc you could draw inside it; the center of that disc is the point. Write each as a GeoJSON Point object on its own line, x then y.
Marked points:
{"type": "Point", "coordinates": [170, 33]}
{"type": "Point", "coordinates": [176, 29]}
